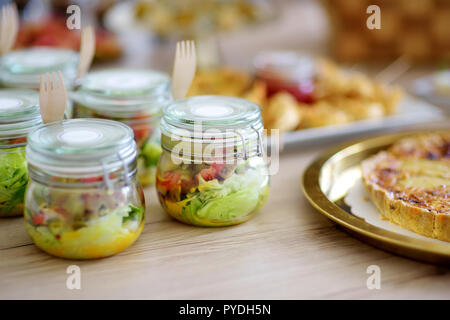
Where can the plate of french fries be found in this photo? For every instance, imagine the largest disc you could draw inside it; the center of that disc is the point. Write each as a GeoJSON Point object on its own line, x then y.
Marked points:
{"type": "Point", "coordinates": [342, 103]}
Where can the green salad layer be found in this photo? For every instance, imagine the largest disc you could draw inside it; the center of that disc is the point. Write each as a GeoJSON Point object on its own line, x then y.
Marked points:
{"type": "Point", "coordinates": [147, 161]}
{"type": "Point", "coordinates": [111, 231]}
{"type": "Point", "coordinates": [213, 195]}
{"type": "Point", "coordinates": [237, 196]}
{"type": "Point", "coordinates": [13, 181]}
{"type": "Point", "coordinates": [150, 153]}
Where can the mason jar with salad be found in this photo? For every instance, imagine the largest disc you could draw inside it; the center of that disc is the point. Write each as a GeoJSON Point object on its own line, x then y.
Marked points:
{"type": "Point", "coordinates": [134, 97]}
{"type": "Point", "coordinates": [212, 171]}
{"type": "Point", "coordinates": [83, 200]}
{"type": "Point", "coordinates": [19, 114]}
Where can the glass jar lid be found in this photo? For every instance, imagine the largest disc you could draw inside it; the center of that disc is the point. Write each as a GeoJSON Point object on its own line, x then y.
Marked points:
{"type": "Point", "coordinates": [125, 82]}
{"type": "Point", "coordinates": [19, 113]}
{"type": "Point", "coordinates": [212, 112]}
{"type": "Point", "coordinates": [22, 68]}
{"type": "Point", "coordinates": [123, 92]}
{"type": "Point", "coordinates": [81, 146]}
{"type": "Point", "coordinates": [233, 123]}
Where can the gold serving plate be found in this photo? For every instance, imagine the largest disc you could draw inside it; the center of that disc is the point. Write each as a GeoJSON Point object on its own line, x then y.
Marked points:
{"type": "Point", "coordinates": [328, 179]}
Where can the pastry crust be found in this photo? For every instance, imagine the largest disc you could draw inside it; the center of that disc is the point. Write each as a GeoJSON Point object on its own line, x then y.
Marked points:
{"type": "Point", "coordinates": [410, 184]}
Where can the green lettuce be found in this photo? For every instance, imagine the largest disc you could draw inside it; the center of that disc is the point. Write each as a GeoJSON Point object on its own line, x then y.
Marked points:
{"type": "Point", "coordinates": [237, 196]}
{"type": "Point", "coordinates": [134, 214]}
{"type": "Point", "coordinates": [13, 181]}
{"type": "Point", "coordinates": [151, 152]}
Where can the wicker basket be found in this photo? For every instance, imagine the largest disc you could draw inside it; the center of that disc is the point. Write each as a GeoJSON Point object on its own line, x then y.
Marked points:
{"type": "Point", "coordinates": [419, 30]}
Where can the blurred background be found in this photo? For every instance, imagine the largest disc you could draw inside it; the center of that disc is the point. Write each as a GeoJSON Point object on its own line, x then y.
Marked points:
{"type": "Point", "coordinates": [418, 30]}
{"type": "Point", "coordinates": [411, 49]}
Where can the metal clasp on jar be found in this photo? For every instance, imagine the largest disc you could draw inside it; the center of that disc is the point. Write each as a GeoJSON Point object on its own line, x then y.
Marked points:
{"type": "Point", "coordinates": [259, 146]}
{"type": "Point", "coordinates": [106, 179]}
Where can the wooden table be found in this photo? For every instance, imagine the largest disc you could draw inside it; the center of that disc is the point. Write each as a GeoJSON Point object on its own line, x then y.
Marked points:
{"type": "Point", "coordinates": [288, 251]}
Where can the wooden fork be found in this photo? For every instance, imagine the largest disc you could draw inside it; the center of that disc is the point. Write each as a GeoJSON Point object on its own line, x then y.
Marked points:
{"type": "Point", "coordinates": [52, 97]}
{"type": "Point", "coordinates": [87, 50]}
{"type": "Point", "coordinates": [183, 68]}
{"type": "Point", "coordinates": [9, 26]}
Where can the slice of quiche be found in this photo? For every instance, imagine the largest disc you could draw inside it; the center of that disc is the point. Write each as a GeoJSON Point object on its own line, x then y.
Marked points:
{"type": "Point", "coordinates": [410, 184]}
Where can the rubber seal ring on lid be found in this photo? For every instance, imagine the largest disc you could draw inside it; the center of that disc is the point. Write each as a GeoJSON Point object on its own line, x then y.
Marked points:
{"type": "Point", "coordinates": [244, 147]}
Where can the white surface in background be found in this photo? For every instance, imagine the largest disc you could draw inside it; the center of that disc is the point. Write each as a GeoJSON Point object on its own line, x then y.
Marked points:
{"type": "Point", "coordinates": [300, 25]}
{"type": "Point", "coordinates": [425, 88]}
{"type": "Point", "coordinates": [411, 111]}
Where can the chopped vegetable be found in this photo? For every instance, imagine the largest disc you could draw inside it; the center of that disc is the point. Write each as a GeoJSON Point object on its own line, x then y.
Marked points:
{"type": "Point", "coordinates": [151, 153]}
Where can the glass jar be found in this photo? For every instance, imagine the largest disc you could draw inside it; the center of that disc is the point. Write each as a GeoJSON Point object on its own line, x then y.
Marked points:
{"type": "Point", "coordinates": [19, 113]}
{"type": "Point", "coordinates": [212, 170]}
{"type": "Point", "coordinates": [134, 97]}
{"type": "Point", "coordinates": [22, 68]}
{"type": "Point", "coordinates": [287, 71]}
{"type": "Point", "coordinates": [83, 200]}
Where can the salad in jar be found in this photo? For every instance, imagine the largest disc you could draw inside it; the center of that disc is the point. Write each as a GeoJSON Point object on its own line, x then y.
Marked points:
{"type": "Point", "coordinates": [146, 135]}
{"type": "Point", "coordinates": [19, 113]}
{"type": "Point", "coordinates": [215, 194]}
{"type": "Point", "coordinates": [13, 181]}
{"type": "Point", "coordinates": [83, 223]}
{"type": "Point", "coordinates": [83, 200]}
{"type": "Point", "coordinates": [208, 189]}
{"type": "Point", "coordinates": [134, 97]}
